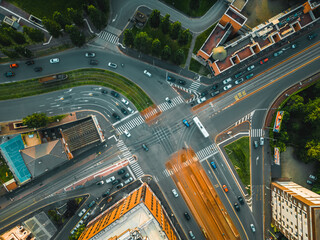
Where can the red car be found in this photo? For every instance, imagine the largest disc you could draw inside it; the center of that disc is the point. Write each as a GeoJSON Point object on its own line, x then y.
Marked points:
{"type": "Point", "coordinates": [264, 60]}
{"type": "Point", "coordinates": [14, 65]}
{"type": "Point", "coordinates": [225, 188]}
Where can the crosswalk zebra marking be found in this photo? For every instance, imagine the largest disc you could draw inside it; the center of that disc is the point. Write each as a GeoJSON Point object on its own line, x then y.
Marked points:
{"type": "Point", "coordinates": [194, 86]}
{"type": "Point", "coordinates": [166, 106]}
{"type": "Point", "coordinates": [109, 37]}
{"type": "Point", "coordinates": [131, 124]}
{"type": "Point", "coordinates": [207, 152]}
{"type": "Point", "coordinates": [247, 117]}
{"type": "Point", "coordinates": [256, 132]}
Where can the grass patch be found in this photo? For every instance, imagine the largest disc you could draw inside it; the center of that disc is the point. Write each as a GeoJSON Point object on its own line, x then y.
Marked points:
{"type": "Point", "coordinates": [78, 78]}
{"type": "Point", "coordinates": [5, 173]}
{"type": "Point", "coordinates": [195, 66]}
{"type": "Point", "coordinates": [184, 6]}
{"type": "Point", "coordinates": [239, 154]}
{"type": "Point", "coordinates": [202, 38]}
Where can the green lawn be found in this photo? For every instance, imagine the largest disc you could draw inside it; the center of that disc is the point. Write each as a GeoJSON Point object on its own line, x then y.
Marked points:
{"type": "Point", "coordinates": [184, 6]}
{"type": "Point", "coordinates": [5, 173]}
{"type": "Point", "coordinates": [198, 68]}
{"type": "Point", "coordinates": [239, 154]}
{"type": "Point", "coordinates": [202, 38]}
{"type": "Point", "coordinates": [77, 78]}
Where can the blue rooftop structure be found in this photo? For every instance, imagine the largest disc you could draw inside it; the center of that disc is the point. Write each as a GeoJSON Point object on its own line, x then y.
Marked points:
{"type": "Point", "coordinates": [11, 152]}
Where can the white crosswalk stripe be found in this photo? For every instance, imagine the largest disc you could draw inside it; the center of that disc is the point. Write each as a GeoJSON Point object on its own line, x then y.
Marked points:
{"type": "Point", "coordinates": [175, 101]}
{"type": "Point", "coordinates": [207, 152]}
{"type": "Point", "coordinates": [247, 117]}
{"type": "Point", "coordinates": [256, 132]}
{"type": "Point", "coordinates": [131, 124]}
{"type": "Point", "coordinates": [150, 114]}
{"type": "Point", "coordinates": [194, 86]}
{"type": "Point", "coordinates": [137, 169]}
{"type": "Point", "coordinates": [109, 37]}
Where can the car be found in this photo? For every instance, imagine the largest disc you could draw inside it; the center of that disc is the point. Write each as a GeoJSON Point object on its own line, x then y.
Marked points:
{"type": "Point", "coordinates": [29, 62]}
{"type": "Point", "coordinates": [124, 101]}
{"type": "Point", "coordinates": [168, 100]}
{"type": "Point", "coordinates": [261, 141]}
{"type": "Point", "coordinates": [93, 62]}
{"type": "Point", "coordinates": [313, 178]}
{"type": "Point", "coordinates": [238, 81]}
{"type": "Point", "coordinates": [107, 193]}
{"type": "Point", "coordinates": [237, 207]}
{"type": "Point", "coordinates": [14, 65]}
{"type": "Point", "coordinates": [201, 100]}
{"type": "Point", "coordinates": [239, 74]}
{"type": "Point", "coordinates": [227, 80]}
{"type": "Point", "coordinates": [264, 61]}
{"type": "Point", "coordinates": [54, 60]}
{"type": "Point", "coordinates": [90, 54]}
{"type": "Point", "coordinates": [182, 82]}
{"type": "Point", "coordinates": [225, 188]}
{"type": "Point", "coordinates": [227, 87]}
{"type": "Point", "coordinates": [175, 193]}
{"type": "Point", "coordinates": [147, 73]}
{"type": "Point", "coordinates": [204, 93]}
{"type": "Point", "coordinates": [122, 171]}
{"type": "Point", "coordinates": [240, 199]}
{"type": "Point", "coordinates": [86, 216]}
{"type": "Point", "coordinates": [214, 87]}
{"type": "Point", "coordinates": [191, 235]}
{"type": "Point", "coordinates": [312, 36]}
{"type": "Point", "coordinates": [82, 212]}
{"type": "Point", "coordinates": [115, 94]}
{"type": "Point", "coordinates": [187, 216]}
{"type": "Point", "coordinates": [171, 79]}
{"type": "Point", "coordinates": [100, 183]}
{"type": "Point", "coordinates": [109, 199]}
{"type": "Point", "coordinates": [112, 65]}
{"type": "Point", "coordinates": [252, 228]}
{"type": "Point", "coordinates": [145, 147]}
{"type": "Point", "coordinates": [38, 69]}
{"type": "Point", "coordinates": [255, 143]}
{"type": "Point", "coordinates": [72, 232]}
{"type": "Point", "coordinates": [124, 111]}
{"type": "Point", "coordinates": [115, 182]}
{"type": "Point", "coordinates": [130, 110]}
{"type": "Point", "coordinates": [213, 165]}
{"type": "Point", "coordinates": [249, 76]}
{"type": "Point", "coordinates": [9, 74]}
{"type": "Point", "coordinates": [91, 204]}
{"type": "Point", "coordinates": [309, 182]}
{"type": "Point", "coordinates": [116, 116]}
{"type": "Point", "coordinates": [276, 54]}
{"type": "Point", "coordinates": [110, 179]}
{"type": "Point", "coordinates": [294, 45]}
{"type": "Point", "coordinates": [215, 93]}
{"type": "Point", "coordinates": [119, 186]}
{"type": "Point", "coordinates": [104, 91]}
{"type": "Point", "coordinates": [250, 67]}
{"type": "Point", "coordinates": [126, 176]}
{"type": "Point", "coordinates": [129, 180]}
{"type": "Point", "coordinates": [185, 122]}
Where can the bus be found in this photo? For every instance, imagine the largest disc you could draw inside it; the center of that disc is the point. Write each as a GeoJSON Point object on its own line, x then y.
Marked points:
{"type": "Point", "coordinates": [201, 127]}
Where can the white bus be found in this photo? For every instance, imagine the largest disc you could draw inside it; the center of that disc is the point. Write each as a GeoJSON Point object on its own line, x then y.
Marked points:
{"type": "Point", "coordinates": [201, 127]}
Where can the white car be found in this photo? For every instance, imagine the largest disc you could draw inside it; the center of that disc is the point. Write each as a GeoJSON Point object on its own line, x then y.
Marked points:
{"type": "Point", "coordinates": [90, 54]}
{"type": "Point", "coordinates": [124, 101]}
{"type": "Point", "coordinates": [201, 100]}
{"type": "Point", "coordinates": [54, 60]}
{"type": "Point", "coordinates": [112, 65]}
{"type": "Point", "coordinates": [227, 80]}
{"type": "Point", "coordinates": [227, 87]}
{"type": "Point", "coordinates": [147, 73]}
{"type": "Point", "coordinates": [82, 212]}
{"type": "Point", "coordinates": [252, 228]}
{"type": "Point", "coordinates": [130, 110]}
{"type": "Point", "coordinates": [111, 179]}
{"type": "Point", "coordinates": [250, 67]}
{"type": "Point", "coordinates": [261, 141]}
{"type": "Point", "coordinates": [126, 132]}
{"type": "Point", "coordinates": [174, 192]}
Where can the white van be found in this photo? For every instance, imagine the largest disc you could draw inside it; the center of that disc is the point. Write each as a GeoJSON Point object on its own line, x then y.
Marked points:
{"type": "Point", "coordinates": [111, 179]}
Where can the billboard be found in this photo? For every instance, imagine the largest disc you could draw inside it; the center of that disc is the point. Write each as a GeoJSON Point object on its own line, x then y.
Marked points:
{"type": "Point", "coordinates": [277, 122]}
{"type": "Point", "coordinates": [276, 156]}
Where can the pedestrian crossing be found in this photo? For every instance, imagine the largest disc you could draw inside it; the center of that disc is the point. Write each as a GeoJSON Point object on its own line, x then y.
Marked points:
{"type": "Point", "coordinates": [207, 152]}
{"type": "Point", "coordinates": [137, 169]}
{"type": "Point", "coordinates": [256, 132]}
{"type": "Point", "coordinates": [149, 114]}
{"type": "Point", "coordinates": [194, 86]}
{"type": "Point", "coordinates": [166, 106]}
{"type": "Point", "coordinates": [176, 168]}
{"type": "Point", "coordinates": [188, 90]}
{"type": "Point", "coordinates": [109, 37]}
{"type": "Point", "coordinates": [131, 124]}
{"type": "Point", "coordinates": [247, 117]}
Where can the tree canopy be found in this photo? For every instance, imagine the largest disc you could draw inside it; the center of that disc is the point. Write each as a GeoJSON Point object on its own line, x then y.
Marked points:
{"type": "Point", "coordinates": [36, 120]}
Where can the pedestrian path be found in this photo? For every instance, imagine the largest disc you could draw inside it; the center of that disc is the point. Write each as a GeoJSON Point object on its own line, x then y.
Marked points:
{"type": "Point", "coordinates": [109, 37]}
{"type": "Point", "coordinates": [194, 86]}
{"type": "Point", "coordinates": [166, 106]}
{"type": "Point", "coordinates": [188, 90]}
{"type": "Point", "coordinates": [131, 124]}
{"type": "Point", "coordinates": [207, 152]}
{"type": "Point", "coordinates": [256, 132]}
{"type": "Point", "coordinates": [247, 117]}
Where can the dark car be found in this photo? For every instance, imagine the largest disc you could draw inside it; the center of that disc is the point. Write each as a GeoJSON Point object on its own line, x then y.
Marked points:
{"type": "Point", "coordinates": [38, 69]}
{"type": "Point", "coordinates": [239, 74]}
{"type": "Point", "coordinates": [103, 91]}
{"type": "Point", "coordinates": [116, 116]}
{"type": "Point", "coordinates": [127, 175]}
{"type": "Point", "coordinates": [240, 199]}
{"type": "Point", "coordinates": [204, 93]}
{"type": "Point", "coordinates": [145, 147]}
{"type": "Point", "coordinates": [237, 207]}
{"type": "Point", "coordinates": [91, 204]}
{"type": "Point", "coordinates": [93, 62]}
{"type": "Point", "coordinates": [119, 186]}
{"type": "Point", "coordinates": [215, 93]}
{"type": "Point", "coordinates": [255, 143]}
{"type": "Point", "coordinates": [9, 74]}
{"type": "Point", "coordinates": [107, 193]}
{"type": "Point", "coordinates": [122, 171]}
{"type": "Point", "coordinates": [171, 79]}
{"type": "Point", "coordinates": [238, 81]}
{"type": "Point", "coordinates": [182, 82]}
{"type": "Point", "coordinates": [124, 111]}
{"type": "Point", "coordinates": [312, 36]}
{"type": "Point", "coordinates": [214, 87]}
{"type": "Point", "coordinates": [249, 76]}
{"type": "Point", "coordinates": [30, 62]}
{"type": "Point", "coordinates": [187, 216]}
{"type": "Point", "coordinates": [115, 182]}
{"type": "Point", "coordinates": [115, 94]}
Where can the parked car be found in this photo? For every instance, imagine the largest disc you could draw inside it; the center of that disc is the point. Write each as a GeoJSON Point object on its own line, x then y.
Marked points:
{"type": "Point", "coordinates": [30, 62]}
{"type": "Point", "coordinates": [213, 165]}
{"type": "Point", "coordinates": [116, 116]}
{"type": "Point", "coordinates": [124, 101]}
{"type": "Point", "coordinates": [204, 93]}
{"type": "Point", "coordinates": [115, 94]}
{"type": "Point", "coordinates": [313, 178]}
{"type": "Point", "coordinates": [109, 199]}
{"type": "Point", "coordinates": [215, 86]}
{"type": "Point", "coordinates": [227, 80]}
{"type": "Point", "coordinates": [54, 60]}
{"type": "Point", "coordinates": [227, 87]}
{"type": "Point", "coordinates": [185, 122]}
{"type": "Point", "coordinates": [276, 54]}
{"type": "Point", "coordinates": [201, 100]}
{"type": "Point", "coordinates": [129, 180]}
{"type": "Point", "coordinates": [252, 228]}
{"type": "Point", "coordinates": [86, 216]}
{"type": "Point", "coordinates": [130, 110]}
{"type": "Point", "coordinates": [249, 76]}
{"type": "Point", "coordinates": [294, 45]}
{"type": "Point", "coordinates": [145, 147]}
{"type": "Point", "coordinates": [215, 93]}
{"type": "Point", "coordinates": [309, 182]}
{"type": "Point", "coordinates": [239, 81]}
{"type": "Point", "coordinates": [126, 132]}
{"type": "Point", "coordinates": [237, 207]}
{"type": "Point", "coordinates": [124, 111]}
{"type": "Point", "coordinates": [122, 171]}
{"type": "Point", "coordinates": [93, 62]}
{"type": "Point", "coordinates": [175, 193]}
{"type": "Point", "coordinates": [9, 74]}
{"type": "Point", "coordinates": [110, 179]}
{"type": "Point", "coordinates": [147, 73]}
{"type": "Point", "coordinates": [261, 141]}
{"type": "Point", "coordinates": [187, 216]}
{"type": "Point", "coordinates": [100, 183]}
{"type": "Point", "coordinates": [225, 188]}
{"type": "Point", "coordinates": [191, 235]}
{"type": "Point", "coordinates": [240, 199]}
{"type": "Point", "coordinates": [256, 145]}
{"type": "Point", "coordinates": [312, 36]}
{"type": "Point", "coordinates": [182, 82]}
{"type": "Point", "coordinates": [38, 69]}
{"type": "Point", "coordinates": [107, 193]}
{"type": "Point", "coordinates": [264, 60]}
{"type": "Point", "coordinates": [91, 204]}
{"type": "Point", "coordinates": [171, 79]}
{"type": "Point", "coordinates": [127, 175]}
{"type": "Point", "coordinates": [14, 65]}
{"type": "Point", "coordinates": [250, 67]}
{"type": "Point", "coordinates": [115, 182]}
{"type": "Point", "coordinates": [168, 100]}
{"type": "Point", "coordinates": [104, 91]}
{"type": "Point", "coordinates": [90, 54]}
{"type": "Point", "coordinates": [82, 212]}
{"type": "Point", "coordinates": [112, 65]}
{"type": "Point", "coordinates": [119, 186]}
{"type": "Point", "coordinates": [239, 74]}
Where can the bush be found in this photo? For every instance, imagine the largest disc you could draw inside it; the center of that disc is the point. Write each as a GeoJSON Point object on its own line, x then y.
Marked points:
{"type": "Point", "coordinates": [35, 35]}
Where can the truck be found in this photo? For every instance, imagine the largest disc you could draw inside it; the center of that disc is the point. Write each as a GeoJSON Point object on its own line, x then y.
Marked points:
{"type": "Point", "coordinates": [53, 78]}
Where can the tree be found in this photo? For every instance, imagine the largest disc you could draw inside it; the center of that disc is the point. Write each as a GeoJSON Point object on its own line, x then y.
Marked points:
{"type": "Point", "coordinates": [312, 110]}
{"type": "Point", "coordinates": [60, 19]}
{"type": "Point", "coordinates": [25, 52]}
{"type": "Point", "coordinates": [295, 104]}
{"type": "Point", "coordinates": [166, 52]}
{"type": "Point", "coordinates": [155, 18]}
{"type": "Point", "coordinates": [175, 29]}
{"type": "Point", "coordinates": [35, 35]}
{"type": "Point", "coordinates": [72, 207]}
{"type": "Point", "coordinates": [35, 120]}
{"type": "Point", "coordinates": [313, 150]}
{"type": "Point", "coordinates": [103, 5]}
{"type": "Point", "coordinates": [52, 27]}
{"type": "Point", "coordinates": [184, 37]}
{"type": "Point", "coordinates": [128, 38]}
{"type": "Point", "coordinates": [10, 54]}
{"type": "Point", "coordinates": [97, 17]}
{"type": "Point", "coordinates": [179, 57]}
{"type": "Point", "coordinates": [77, 37]}
{"type": "Point", "coordinates": [165, 24]}
{"type": "Point", "coordinates": [4, 40]}
{"type": "Point", "coordinates": [156, 46]}
{"type": "Point", "coordinates": [18, 37]}
{"type": "Point", "coordinates": [194, 4]}
{"type": "Point", "coordinates": [140, 40]}
{"type": "Point", "coordinates": [76, 16]}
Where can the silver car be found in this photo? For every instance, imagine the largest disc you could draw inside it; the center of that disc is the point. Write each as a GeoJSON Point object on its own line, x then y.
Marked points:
{"type": "Point", "coordinates": [227, 87]}
{"type": "Point", "coordinates": [54, 60]}
{"type": "Point", "coordinates": [112, 65]}
{"type": "Point", "coordinates": [147, 73]}
{"type": "Point", "coordinates": [250, 68]}
{"type": "Point", "coordinates": [175, 193]}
